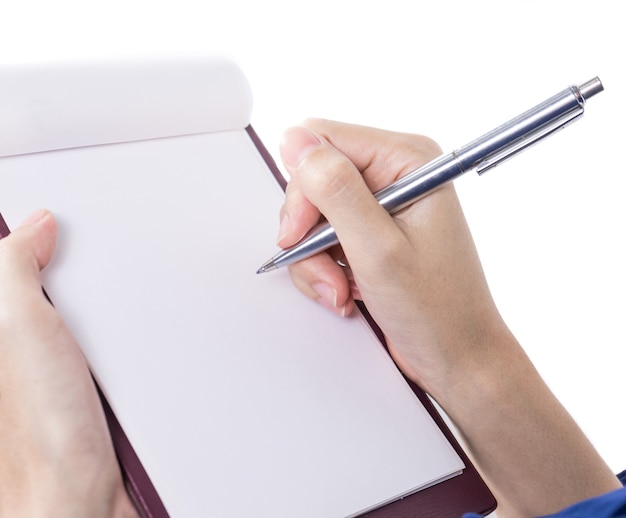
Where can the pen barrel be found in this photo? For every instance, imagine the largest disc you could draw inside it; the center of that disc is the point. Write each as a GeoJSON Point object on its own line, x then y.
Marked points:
{"type": "Point", "coordinates": [415, 185]}
{"type": "Point", "coordinates": [491, 149]}
{"type": "Point", "coordinates": [481, 154]}
{"type": "Point", "coordinates": [519, 133]}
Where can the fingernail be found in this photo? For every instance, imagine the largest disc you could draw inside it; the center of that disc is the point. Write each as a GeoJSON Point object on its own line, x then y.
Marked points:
{"type": "Point", "coordinates": [328, 298]}
{"type": "Point", "coordinates": [326, 292]}
{"type": "Point", "coordinates": [297, 143]}
{"type": "Point", "coordinates": [34, 217]}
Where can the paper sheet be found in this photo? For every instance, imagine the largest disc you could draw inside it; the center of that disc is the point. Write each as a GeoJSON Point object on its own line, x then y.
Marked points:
{"type": "Point", "coordinates": [240, 396]}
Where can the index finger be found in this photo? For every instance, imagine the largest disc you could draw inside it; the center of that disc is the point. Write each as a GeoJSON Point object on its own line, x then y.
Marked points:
{"type": "Point", "coordinates": [380, 156]}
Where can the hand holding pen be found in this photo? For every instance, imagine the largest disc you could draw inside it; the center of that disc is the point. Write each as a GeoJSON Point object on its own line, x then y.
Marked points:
{"type": "Point", "coordinates": [406, 267]}
{"type": "Point", "coordinates": [481, 155]}
{"type": "Point", "coordinates": [334, 168]}
{"type": "Point", "coordinates": [420, 277]}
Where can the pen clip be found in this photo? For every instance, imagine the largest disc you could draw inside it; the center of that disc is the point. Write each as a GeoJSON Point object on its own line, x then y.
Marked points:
{"type": "Point", "coordinates": [527, 140]}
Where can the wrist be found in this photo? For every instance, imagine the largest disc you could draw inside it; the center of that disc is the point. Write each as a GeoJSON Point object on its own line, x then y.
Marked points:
{"type": "Point", "coordinates": [527, 447]}
{"type": "Point", "coordinates": [460, 355]}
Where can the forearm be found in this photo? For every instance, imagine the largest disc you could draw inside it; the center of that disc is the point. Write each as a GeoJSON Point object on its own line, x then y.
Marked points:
{"type": "Point", "coordinates": [528, 448]}
{"type": "Point", "coordinates": [419, 275]}
{"type": "Point", "coordinates": [56, 454]}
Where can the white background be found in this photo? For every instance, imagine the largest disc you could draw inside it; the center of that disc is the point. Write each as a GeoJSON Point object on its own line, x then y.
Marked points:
{"type": "Point", "coordinates": [549, 224]}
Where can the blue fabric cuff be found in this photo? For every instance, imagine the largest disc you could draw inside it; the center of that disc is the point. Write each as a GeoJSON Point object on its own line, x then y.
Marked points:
{"type": "Point", "coordinates": [611, 505]}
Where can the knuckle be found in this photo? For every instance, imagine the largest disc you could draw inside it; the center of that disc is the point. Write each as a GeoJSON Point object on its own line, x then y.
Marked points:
{"type": "Point", "coordinates": [424, 147]}
{"type": "Point", "coordinates": [417, 149]}
{"type": "Point", "coordinates": [335, 178]}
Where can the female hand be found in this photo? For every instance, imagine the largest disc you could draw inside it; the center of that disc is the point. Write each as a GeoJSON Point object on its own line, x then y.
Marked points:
{"type": "Point", "coordinates": [56, 454]}
{"type": "Point", "coordinates": [420, 278]}
{"type": "Point", "coordinates": [418, 272]}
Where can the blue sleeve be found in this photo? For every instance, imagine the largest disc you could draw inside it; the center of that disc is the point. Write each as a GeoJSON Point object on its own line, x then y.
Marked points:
{"type": "Point", "coordinates": [610, 505]}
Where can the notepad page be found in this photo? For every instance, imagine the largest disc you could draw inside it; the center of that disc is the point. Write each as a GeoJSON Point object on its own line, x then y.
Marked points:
{"type": "Point", "coordinates": [240, 396]}
{"type": "Point", "coordinates": [49, 106]}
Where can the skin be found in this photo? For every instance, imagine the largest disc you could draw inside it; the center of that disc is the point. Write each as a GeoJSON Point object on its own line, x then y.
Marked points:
{"type": "Point", "coordinates": [57, 455]}
{"type": "Point", "coordinates": [421, 279]}
{"type": "Point", "coordinates": [419, 275]}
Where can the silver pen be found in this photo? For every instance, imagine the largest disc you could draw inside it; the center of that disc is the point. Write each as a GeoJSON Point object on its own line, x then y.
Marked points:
{"type": "Point", "coordinates": [481, 154]}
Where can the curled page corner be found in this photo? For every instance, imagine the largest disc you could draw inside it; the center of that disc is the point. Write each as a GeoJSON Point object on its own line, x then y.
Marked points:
{"type": "Point", "coordinates": [78, 104]}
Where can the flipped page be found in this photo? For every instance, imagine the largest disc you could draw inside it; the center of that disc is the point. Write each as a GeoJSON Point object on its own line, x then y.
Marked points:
{"type": "Point", "coordinates": [240, 396]}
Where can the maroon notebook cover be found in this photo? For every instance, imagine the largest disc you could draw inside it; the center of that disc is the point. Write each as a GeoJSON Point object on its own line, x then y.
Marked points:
{"type": "Point", "coordinates": [464, 493]}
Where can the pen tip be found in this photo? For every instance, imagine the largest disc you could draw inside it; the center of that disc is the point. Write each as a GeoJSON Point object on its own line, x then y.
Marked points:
{"type": "Point", "coordinates": [267, 267]}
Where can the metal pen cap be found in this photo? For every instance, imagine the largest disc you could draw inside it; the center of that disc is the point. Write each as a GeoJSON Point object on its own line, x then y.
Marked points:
{"type": "Point", "coordinates": [482, 154]}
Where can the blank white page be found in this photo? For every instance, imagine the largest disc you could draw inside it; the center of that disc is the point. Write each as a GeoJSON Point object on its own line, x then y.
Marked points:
{"type": "Point", "coordinates": [240, 396]}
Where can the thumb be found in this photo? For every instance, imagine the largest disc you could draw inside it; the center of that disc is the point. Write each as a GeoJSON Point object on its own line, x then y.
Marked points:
{"type": "Point", "coordinates": [29, 248]}
{"type": "Point", "coordinates": [331, 182]}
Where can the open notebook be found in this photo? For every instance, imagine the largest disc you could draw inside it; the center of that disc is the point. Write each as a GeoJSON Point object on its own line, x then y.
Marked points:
{"type": "Point", "coordinates": [238, 396]}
